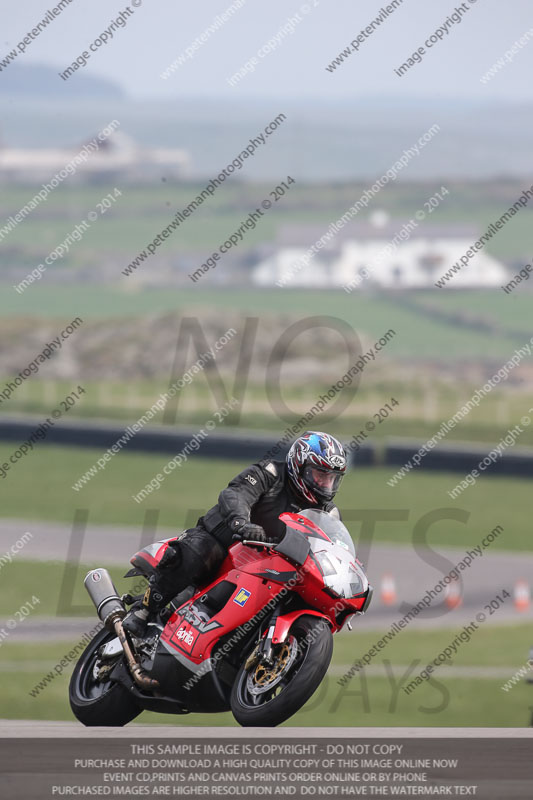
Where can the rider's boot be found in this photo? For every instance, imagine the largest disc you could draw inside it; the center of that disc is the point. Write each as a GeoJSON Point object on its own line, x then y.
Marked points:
{"type": "Point", "coordinates": [136, 620]}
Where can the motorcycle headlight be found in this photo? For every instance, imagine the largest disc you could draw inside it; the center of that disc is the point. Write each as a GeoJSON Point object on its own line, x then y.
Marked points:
{"type": "Point", "coordinates": [341, 573]}
{"type": "Point", "coordinates": [344, 581]}
{"type": "Point", "coordinates": [325, 564]}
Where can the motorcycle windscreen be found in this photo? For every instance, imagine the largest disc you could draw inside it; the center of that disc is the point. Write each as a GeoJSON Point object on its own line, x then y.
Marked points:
{"type": "Point", "coordinates": [294, 546]}
{"type": "Point", "coordinates": [317, 524]}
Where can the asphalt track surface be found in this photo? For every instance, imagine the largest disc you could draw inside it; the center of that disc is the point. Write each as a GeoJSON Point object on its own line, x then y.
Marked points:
{"type": "Point", "coordinates": [10, 729]}
{"type": "Point", "coordinates": [414, 573]}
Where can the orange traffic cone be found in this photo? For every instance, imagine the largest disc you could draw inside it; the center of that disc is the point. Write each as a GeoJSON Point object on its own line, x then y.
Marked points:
{"type": "Point", "coordinates": [452, 595]}
{"type": "Point", "coordinates": [522, 595]}
{"type": "Point", "coordinates": [388, 590]}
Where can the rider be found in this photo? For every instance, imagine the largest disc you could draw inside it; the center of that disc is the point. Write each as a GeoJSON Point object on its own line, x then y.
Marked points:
{"type": "Point", "coordinates": [251, 503]}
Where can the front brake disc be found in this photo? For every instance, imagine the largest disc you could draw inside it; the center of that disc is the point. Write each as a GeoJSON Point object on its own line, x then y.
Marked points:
{"type": "Point", "coordinates": [264, 677]}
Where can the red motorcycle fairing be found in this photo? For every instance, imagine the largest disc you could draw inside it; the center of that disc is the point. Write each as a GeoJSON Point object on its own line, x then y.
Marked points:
{"type": "Point", "coordinates": [312, 589]}
{"type": "Point", "coordinates": [245, 590]}
{"type": "Point", "coordinates": [284, 622]}
{"type": "Point", "coordinates": [193, 633]}
{"type": "Point", "coordinates": [255, 577]}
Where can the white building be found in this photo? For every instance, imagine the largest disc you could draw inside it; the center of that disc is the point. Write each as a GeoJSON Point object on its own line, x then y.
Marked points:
{"type": "Point", "coordinates": [116, 155]}
{"type": "Point", "coordinates": [391, 255]}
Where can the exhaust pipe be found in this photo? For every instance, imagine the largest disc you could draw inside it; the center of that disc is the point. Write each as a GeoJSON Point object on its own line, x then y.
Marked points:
{"type": "Point", "coordinates": [102, 592]}
{"type": "Point", "coordinates": [111, 611]}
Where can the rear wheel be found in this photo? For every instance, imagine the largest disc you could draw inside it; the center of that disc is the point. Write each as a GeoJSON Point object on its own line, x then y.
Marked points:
{"type": "Point", "coordinates": [266, 697]}
{"type": "Point", "coordinates": [94, 699]}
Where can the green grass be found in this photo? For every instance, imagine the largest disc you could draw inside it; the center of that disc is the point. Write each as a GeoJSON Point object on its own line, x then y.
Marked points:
{"type": "Point", "coordinates": [58, 586]}
{"type": "Point", "coordinates": [513, 643]}
{"type": "Point", "coordinates": [366, 701]}
{"type": "Point", "coordinates": [371, 315]}
{"type": "Point", "coordinates": [510, 311]}
{"type": "Point", "coordinates": [142, 211]}
{"type": "Point", "coordinates": [443, 702]}
{"type": "Point", "coordinates": [39, 487]}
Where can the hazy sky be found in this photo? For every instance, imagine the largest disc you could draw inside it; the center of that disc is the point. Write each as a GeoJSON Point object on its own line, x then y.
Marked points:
{"type": "Point", "coordinates": [160, 30]}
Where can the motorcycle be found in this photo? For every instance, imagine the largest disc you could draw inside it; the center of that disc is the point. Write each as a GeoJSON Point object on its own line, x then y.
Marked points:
{"type": "Point", "coordinates": [257, 640]}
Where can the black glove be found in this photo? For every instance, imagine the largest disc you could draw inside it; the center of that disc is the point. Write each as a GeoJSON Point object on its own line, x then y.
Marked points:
{"type": "Point", "coordinates": [247, 530]}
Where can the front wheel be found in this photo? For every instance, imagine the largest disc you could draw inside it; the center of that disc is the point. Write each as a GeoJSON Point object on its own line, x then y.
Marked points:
{"type": "Point", "coordinates": [94, 699]}
{"type": "Point", "coordinates": [266, 697]}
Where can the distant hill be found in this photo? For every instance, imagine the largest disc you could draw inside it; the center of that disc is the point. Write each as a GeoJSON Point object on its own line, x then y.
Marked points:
{"type": "Point", "coordinates": [40, 81]}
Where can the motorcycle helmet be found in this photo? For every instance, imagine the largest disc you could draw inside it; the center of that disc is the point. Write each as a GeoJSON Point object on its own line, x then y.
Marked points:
{"type": "Point", "coordinates": [316, 464]}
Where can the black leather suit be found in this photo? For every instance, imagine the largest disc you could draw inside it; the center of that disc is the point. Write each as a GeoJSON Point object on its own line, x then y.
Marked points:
{"type": "Point", "coordinates": [259, 494]}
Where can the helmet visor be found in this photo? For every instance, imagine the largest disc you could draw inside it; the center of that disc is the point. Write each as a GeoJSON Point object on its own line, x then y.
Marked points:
{"type": "Point", "coordinates": [323, 482]}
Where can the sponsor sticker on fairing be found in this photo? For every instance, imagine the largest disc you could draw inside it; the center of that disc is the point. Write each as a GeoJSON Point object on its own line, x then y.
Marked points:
{"type": "Point", "coordinates": [184, 638]}
{"type": "Point", "coordinates": [241, 597]}
{"type": "Point", "coordinates": [185, 635]}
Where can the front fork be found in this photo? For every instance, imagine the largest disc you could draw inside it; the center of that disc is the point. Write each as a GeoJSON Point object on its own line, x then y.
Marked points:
{"type": "Point", "coordinates": [262, 653]}
{"type": "Point", "coordinates": [265, 648]}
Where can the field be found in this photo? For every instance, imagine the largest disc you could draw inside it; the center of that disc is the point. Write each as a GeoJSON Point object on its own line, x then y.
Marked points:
{"type": "Point", "coordinates": [443, 349]}
{"type": "Point", "coordinates": [142, 211]}
{"type": "Point", "coordinates": [421, 333]}
{"type": "Point", "coordinates": [418, 413]}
